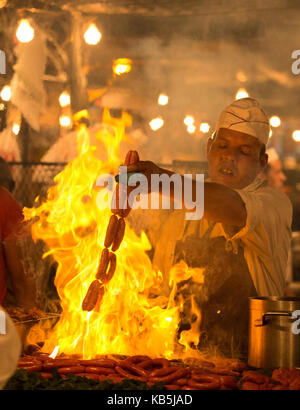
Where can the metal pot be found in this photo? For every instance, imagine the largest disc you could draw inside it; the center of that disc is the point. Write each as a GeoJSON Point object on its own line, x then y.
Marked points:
{"type": "Point", "coordinates": [274, 332]}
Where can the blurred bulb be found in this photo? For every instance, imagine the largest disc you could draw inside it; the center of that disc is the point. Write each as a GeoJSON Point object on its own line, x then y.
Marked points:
{"type": "Point", "coordinates": [122, 66]}
{"type": "Point", "coordinates": [25, 33]}
{"type": "Point", "coordinates": [189, 120]}
{"type": "Point", "coordinates": [204, 127]}
{"type": "Point", "coordinates": [163, 99]}
{"type": "Point", "coordinates": [191, 128]}
{"type": "Point", "coordinates": [65, 121]}
{"type": "Point", "coordinates": [242, 93]}
{"type": "Point", "coordinates": [16, 129]}
{"type": "Point", "coordinates": [156, 123]}
{"type": "Point", "coordinates": [240, 76]}
{"type": "Point", "coordinates": [275, 121]}
{"type": "Point", "coordinates": [92, 36]}
{"type": "Point", "coordinates": [296, 135]}
{"type": "Point", "coordinates": [6, 93]}
{"type": "Point", "coordinates": [2, 107]}
{"type": "Point", "coordinates": [270, 133]}
{"type": "Point", "coordinates": [64, 99]}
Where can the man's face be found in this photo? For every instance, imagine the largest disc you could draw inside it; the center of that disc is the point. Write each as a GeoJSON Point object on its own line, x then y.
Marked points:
{"type": "Point", "coordinates": [234, 158]}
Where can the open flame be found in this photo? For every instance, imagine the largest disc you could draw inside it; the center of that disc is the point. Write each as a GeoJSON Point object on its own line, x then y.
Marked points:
{"type": "Point", "coordinates": [132, 318]}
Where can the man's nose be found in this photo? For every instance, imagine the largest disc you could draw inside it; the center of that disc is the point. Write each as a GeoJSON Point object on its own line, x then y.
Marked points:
{"type": "Point", "coordinates": [228, 154]}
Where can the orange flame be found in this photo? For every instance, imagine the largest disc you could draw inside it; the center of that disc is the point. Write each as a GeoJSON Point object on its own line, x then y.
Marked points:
{"type": "Point", "coordinates": [130, 319]}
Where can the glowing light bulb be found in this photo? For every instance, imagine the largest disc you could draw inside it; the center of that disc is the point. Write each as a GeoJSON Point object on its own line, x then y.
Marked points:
{"type": "Point", "coordinates": [189, 120]}
{"type": "Point", "coordinates": [191, 128]}
{"type": "Point", "coordinates": [275, 121]}
{"type": "Point", "coordinates": [163, 99]}
{"type": "Point", "coordinates": [6, 93]}
{"type": "Point", "coordinates": [204, 127]}
{"type": "Point", "coordinates": [64, 99]}
{"type": "Point", "coordinates": [242, 93]}
{"type": "Point", "coordinates": [16, 129]}
{"type": "Point", "coordinates": [156, 123]}
{"type": "Point", "coordinates": [25, 33]}
{"type": "Point", "coordinates": [65, 121]}
{"type": "Point", "coordinates": [92, 36]}
{"type": "Point", "coordinates": [296, 135]}
{"type": "Point", "coordinates": [122, 66]}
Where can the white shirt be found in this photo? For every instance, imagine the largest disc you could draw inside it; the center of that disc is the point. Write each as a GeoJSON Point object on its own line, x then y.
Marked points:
{"type": "Point", "coordinates": [266, 237]}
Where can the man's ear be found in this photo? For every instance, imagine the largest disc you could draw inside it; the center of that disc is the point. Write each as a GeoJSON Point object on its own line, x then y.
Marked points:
{"type": "Point", "coordinates": [263, 160]}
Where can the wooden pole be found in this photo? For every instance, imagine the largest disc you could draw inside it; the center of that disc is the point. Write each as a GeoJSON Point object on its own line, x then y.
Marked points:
{"type": "Point", "coordinates": [79, 95]}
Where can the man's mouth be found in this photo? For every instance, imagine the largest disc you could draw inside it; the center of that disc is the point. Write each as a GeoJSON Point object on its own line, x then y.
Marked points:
{"type": "Point", "coordinates": [226, 171]}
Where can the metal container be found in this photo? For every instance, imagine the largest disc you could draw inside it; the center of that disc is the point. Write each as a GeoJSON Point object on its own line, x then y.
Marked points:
{"type": "Point", "coordinates": [274, 332]}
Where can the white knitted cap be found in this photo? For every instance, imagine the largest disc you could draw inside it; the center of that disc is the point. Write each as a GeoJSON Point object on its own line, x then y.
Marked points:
{"type": "Point", "coordinates": [247, 116]}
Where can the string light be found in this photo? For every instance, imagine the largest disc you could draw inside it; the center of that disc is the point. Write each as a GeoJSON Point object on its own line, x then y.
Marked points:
{"type": "Point", "coordinates": [122, 66]}
{"type": "Point", "coordinates": [188, 120]}
{"type": "Point", "coordinates": [64, 99]}
{"type": "Point", "coordinates": [65, 121]}
{"type": "Point", "coordinates": [16, 129]}
{"type": "Point", "coordinates": [163, 99]}
{"type": "Point", "coordinates": [241, 93]}
{"type": "Point", "coordinates": [296, 135]}
{"type": "Point", "coordinates": [25, 33]}
{"type": "Point", "coordinates": [275, 121]}
{"type": "Point", "coordinates": [191, 128]}
{"type": "Point", "coordinates": [6, 93]}
{"type": "Point", "coordinates": [204, 127]}
{"type": "Point", "coordinates": [92, 35]}
{"type": "Point", "coordinates": [156, 123]}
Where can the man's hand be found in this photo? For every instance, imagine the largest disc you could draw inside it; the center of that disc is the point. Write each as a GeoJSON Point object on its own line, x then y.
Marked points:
{"type": "Point", "coordinates": [148, 169]}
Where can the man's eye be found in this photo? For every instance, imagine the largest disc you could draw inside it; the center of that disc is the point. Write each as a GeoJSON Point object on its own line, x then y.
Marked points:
{"type": "Point", "coordinates": [245, 150]}
{"type": "Point", "coordinates": [222, 145]}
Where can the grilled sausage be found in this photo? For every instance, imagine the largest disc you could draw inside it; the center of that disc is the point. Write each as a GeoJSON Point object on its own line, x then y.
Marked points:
{"type": "Point", "coordinates": [112, 268]}
{"type": "Point", "coordinates": [119, 235]}
{"type": "Point", "coordinates": [92, 295]}
{"type": "Point", "coordinates": [131, 158]}
{"type": "Point", "coordinates": [111, 231]}
{"type": "Point", "coordinates": [103, 264]}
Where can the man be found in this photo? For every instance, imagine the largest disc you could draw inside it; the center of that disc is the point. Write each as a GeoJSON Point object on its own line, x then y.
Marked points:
{"type": "Point", "coordinates": [243, 239]}
{"type": "Point", "coordinates": [273, 172]}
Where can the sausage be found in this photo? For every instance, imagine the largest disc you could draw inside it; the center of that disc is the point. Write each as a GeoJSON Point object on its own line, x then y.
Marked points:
{"type": "Point", "coordinates": [32, 368]}
{"type": "Point", "coordinates": [91, 297]}
{"type": "Point", "coordinates": [165, 371]}
{"type": "Point", "coordinates": [103, 264]}
{"type": "Point", "coordinates": [250, 386]}
{"type": "Point", "coordinates": [131, 158]}
{"type": "Point", "coordinates": [99, 362]}
{"type": "Point", "coordinates": [221, 370]}
{"type": "Point", "coordinates": [255, 377]}
{"type": "Point", "coordinates": [150, 363]}
{"type": "Point", "coordinates": [119, 235]}
{"type": "Point", "coordinates": [228, 381]}
{"type": "Point", "coordinates": [57, 363]}
{"type": "Point", "coordinates": [175, 375]}
{"type": "Point", "coordinates": [281, 376]}
{"type": "Point", "coordinates": [111, 231]}
{"type": "Point", "coordinates": [28, 363]}
{"type": "Point", "coordinates": [99, 300]}
{"type": "Point", "coordinates": [112, 268]}
{"type": "Point", "coordinates": [172, 387]}
{"type": "Point", "coordinates": [136, 359]}
{"type": "Point", "coordinates": [118, 202]}
{"type": "Point", "coordinates": [71, 369]}
{"type": "Point", "coordinates": [128, 375]}
{"type": "Point", "coordinates": [182, 382]}
{"type": "Point", "coordinates": [99, 370]}
{"type": "Point", "coordinates": [210, 383]}
{"type": "Point", "coordinates": [133, 368]}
